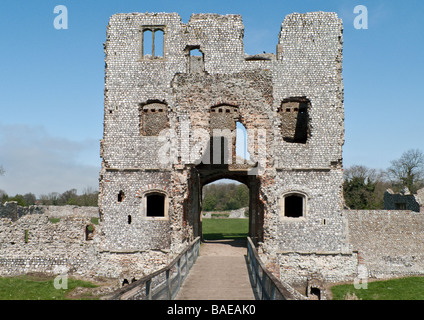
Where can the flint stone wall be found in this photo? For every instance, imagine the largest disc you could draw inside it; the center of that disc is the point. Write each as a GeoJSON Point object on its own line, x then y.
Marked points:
{"type": "Point", "coordinates": [389, 243]}
{"type": "Point", "coordinates": [53, 240]}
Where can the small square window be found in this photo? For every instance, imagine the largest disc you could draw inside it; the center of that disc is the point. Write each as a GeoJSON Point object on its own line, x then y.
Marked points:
{"type": "Point", "coordinates": [155, 205]}
{"type": "Point", "coordinates": [293, 205]}
{"type": "Point", "coordinates": [400, 206]}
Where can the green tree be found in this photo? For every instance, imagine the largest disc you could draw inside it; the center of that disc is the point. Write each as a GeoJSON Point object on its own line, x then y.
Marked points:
{"type": "Point", "coordinates": [225, 196]}
{"type": "Point", "coordinates": [88, 198]}
{"type": "Point", "coordinates": [19, 199]}
{"type": "Point", "coordinates": [209, 203]}
{"type": "Point", "coordinates": [358, 193]}
{"type": "Point", "coordinates": [69, 197]}
{"type": "Point", "coordinates": [364, 188]}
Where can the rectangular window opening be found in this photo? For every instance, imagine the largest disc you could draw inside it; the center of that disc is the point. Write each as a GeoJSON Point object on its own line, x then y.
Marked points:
{"type": "Point", "coordinates": [293, 206]}
{"type": "Point", "coordinates": [155, 205]}
{"type": "Point", "coordinates": [400, 206]}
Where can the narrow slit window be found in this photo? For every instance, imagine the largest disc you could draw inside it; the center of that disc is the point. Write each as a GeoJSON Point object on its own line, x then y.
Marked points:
{"type": "Point", "coordinates": [158, 43]}
{"type": "Point", "coordinates": [147, 43]}
{"type": "Point", "coordinates": [121, 196]}
{"type": "Point", "coordinates": [89, 232]}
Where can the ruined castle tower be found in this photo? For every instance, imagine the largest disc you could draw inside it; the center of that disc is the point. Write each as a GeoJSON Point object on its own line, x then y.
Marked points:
{"type": "Point", "coordinates": [170, 118]}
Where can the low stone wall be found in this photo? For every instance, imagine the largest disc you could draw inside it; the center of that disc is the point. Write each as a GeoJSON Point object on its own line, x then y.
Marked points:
{"type": "Point", "coordinates": [13, 211]}
{"type": "Point", "coordinates": [38, 243]}
{"type": "Point", "coordinates": [66, 239]}
{"type": "Point", "coordinates": [389, 243]}
{"type": "Point", "coordinates": [51, 239]}
{"type": "Point", "coordinates": [233, 214]}
{"type": "Point", "coordinates": [297, 268]}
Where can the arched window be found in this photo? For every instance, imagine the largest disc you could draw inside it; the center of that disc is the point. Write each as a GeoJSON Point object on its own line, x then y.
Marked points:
{"type": "Point", "coordinates": [293, 205]}
{"type": "Point", "coordinates": [153, 39]}
{"type": "Point", "coordinates": [158, 43]}
{"type": "Point", "coordinates": [155, 204]}
{"type": "Point", "coordinates": [196, 60]}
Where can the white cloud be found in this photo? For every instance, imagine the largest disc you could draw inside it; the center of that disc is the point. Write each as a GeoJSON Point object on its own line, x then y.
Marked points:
{"type": "Point", "coordinates": [38, 162]}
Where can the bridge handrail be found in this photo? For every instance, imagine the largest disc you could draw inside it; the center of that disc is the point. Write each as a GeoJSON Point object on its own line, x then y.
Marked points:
{"type": "Point", "coordinates": [268, 286]}
{"type": "Point", "coordinates": [165, 283]}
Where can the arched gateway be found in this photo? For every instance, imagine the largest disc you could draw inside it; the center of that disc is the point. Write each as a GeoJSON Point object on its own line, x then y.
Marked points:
{"type": "Point", "coordinates": [169, 129]}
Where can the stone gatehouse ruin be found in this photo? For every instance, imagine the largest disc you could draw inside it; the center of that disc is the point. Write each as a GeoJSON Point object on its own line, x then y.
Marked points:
{"type": "Point", "coordinates": [174, 95]}
{"type": "Point", "coordinates": [170, 119]}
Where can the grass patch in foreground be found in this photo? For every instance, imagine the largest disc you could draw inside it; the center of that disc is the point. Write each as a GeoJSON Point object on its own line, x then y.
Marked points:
{"type": "Point", "coordinates": [216, 229]}
{"type": "Point", "coordinates": [37, 288]}
{"type": "Point", "coordinates": [410, 288]}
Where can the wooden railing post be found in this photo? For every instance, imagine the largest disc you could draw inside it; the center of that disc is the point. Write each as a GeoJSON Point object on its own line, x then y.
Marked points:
{"type": "Point", "coordinates": [179, 273]}
{"type": "Point", "coordinates": [168, 285]}
{"type": "Point", "coordinates": [148, 290]}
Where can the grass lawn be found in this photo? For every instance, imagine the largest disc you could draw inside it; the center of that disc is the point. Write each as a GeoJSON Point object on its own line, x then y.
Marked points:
{"type": "Point", "coordinates": [37, 288]}
{"type": "Point", "coordinates": [410, 288]}
{"type": "Point", "coordinates": [215, 229]}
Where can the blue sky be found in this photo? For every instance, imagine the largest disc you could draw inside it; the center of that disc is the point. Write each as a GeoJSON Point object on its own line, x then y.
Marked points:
{"type": "Point", "coordinates": [52, 81]}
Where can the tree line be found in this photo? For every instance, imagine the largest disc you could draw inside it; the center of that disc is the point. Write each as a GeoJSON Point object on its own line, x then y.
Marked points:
{"type": "Point", "coordinates": [88, 198]}
{"type": "Point", "coordinates": [364, 187]}
{"type": "Point", "coordinates": [225, 196]}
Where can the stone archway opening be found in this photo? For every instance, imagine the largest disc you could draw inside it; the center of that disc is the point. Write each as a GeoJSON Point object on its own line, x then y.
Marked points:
{"type": "Point", "coordinates": [204, 174]}
{"type": "Point", "coordinates": [224, 215]}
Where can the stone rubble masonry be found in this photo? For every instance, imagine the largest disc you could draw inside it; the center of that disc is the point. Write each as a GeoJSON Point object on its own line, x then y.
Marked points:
{"type": "Point", "coordinates": [307, 65]}
{"type": "Point", "coordinates": [53, 240]}
{"type": "Point", "coordinates": [182, 94]}
{"type": "Point", "coordinates": [390, 242]}
{"type": "Point", "coordinates": [413, 202]}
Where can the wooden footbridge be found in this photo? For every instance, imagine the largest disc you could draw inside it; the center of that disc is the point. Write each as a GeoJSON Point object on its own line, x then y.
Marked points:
{"type": "Point", "coordinates": [213, 270]}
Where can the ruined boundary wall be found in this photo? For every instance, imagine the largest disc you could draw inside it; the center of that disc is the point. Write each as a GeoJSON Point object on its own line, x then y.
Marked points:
{"type": "Point", "coordinates": [65, 239]}
{"type": "Point", "coordinates": [47, 239]}
{"type": "Point", "coordinates": [389, 243]}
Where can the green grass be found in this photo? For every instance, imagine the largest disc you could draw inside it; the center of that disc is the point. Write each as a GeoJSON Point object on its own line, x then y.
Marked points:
{"type": "Point", "coordinates": [37, 288]}
{"type": "Point", "coordinates": [410, 288]}
{"type": "Point", "coordinates": [215, 229]}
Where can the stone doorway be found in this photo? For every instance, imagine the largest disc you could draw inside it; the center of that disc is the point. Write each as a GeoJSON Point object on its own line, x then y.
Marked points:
{"type": "Point", "coordinates": [204, 174]}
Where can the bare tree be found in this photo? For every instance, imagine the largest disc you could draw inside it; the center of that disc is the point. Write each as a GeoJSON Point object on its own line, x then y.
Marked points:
{"type": "Point", "coordinates": [1, 170]}
{"type": "Point", "coordinates": [363, 173]}
{"type": "Point", "coordinates": [408, 170]}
